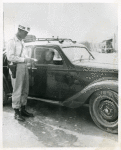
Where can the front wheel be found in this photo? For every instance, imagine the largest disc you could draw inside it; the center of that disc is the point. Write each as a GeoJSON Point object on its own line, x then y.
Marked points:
{"type": "Point", "coordinates": [104, 110]}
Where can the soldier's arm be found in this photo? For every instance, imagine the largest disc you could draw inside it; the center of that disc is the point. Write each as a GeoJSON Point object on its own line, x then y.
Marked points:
{"type": "Point", "coordinates": [25, 53]}
{"type": "Point", "coordinates": [11, 56]}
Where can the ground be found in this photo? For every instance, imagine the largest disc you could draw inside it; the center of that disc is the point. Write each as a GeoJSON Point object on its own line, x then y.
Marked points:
{"type": "Point", "coordinates": [53, 126]}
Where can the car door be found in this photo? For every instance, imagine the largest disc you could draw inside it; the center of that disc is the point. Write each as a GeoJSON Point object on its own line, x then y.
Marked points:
{"type": "Point", "coordinates": [51, 79]}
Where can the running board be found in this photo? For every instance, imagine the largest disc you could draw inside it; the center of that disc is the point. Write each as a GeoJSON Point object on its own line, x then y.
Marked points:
{"type": "Point", "coordinates": [46, 100]}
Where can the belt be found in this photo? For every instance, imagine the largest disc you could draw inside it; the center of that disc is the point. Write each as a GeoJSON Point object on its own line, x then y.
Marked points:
{"type": "Point", "coordinates": [15, 63]}
{"type": "Point", "coordinates": [20, 63]}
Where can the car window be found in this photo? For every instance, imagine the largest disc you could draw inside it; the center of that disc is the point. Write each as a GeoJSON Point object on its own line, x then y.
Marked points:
{"type": "Point", "coordinates": [76, 53]}
{"type": "Point", "coordinates": [48, 56]}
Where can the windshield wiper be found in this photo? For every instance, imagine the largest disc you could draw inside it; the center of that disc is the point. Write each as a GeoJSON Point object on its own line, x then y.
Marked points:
{"type": "Point", "coordinates": [79, 59]}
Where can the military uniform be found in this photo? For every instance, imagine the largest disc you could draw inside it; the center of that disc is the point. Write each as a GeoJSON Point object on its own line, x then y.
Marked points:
{"type": "Point", "coordinates": [16, 53]}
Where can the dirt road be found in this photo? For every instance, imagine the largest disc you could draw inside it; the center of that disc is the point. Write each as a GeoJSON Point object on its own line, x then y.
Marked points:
{"type": "Point", "coordinates": [53, 126]}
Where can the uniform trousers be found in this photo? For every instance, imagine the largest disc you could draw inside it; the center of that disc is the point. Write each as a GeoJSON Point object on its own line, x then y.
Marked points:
{"type": "Point", "coordinates": [20, 86]}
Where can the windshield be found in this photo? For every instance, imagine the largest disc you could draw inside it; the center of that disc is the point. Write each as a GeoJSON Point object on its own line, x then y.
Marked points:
{"type": "Point", "coordinates": [77, 53]}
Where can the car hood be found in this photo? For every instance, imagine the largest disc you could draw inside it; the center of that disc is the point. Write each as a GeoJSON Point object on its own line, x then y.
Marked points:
{"type": "Point", "coordinates": [98, 64]}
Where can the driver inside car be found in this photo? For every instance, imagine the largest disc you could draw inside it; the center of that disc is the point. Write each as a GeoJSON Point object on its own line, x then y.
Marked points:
{"type": "Point", "coordinates": [49, 55]}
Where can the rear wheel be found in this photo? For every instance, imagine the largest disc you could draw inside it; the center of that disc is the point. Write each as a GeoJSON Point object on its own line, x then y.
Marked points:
{"type": "Point", "coordinates": [104, 110]}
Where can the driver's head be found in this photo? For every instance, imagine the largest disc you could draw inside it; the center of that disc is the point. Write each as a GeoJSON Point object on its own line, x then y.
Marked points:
{"type": "Point", "coordinates": [49, 55]}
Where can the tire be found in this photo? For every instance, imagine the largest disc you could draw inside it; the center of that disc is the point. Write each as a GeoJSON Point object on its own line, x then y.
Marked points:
{"type": "Point", "coordinates": [103, 108]}
{"type": "Point", "coordinates": [5, 97]}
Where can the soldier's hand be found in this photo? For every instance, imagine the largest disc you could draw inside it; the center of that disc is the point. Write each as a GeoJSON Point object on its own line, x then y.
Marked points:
{"type": "Point", "coordinates": [28, 60]}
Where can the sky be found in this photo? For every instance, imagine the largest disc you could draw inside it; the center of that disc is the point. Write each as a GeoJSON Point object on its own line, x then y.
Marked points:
{"type": "Point", "coordinates": [79, 21]}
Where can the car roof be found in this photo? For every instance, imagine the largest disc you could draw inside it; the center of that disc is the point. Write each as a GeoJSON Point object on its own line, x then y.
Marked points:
{"type": "Point", "coordinates": [45, 43]}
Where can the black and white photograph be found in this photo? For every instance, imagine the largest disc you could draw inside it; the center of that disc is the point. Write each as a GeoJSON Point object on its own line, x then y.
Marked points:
{"type": "Point", "coordinates": [60, 75]}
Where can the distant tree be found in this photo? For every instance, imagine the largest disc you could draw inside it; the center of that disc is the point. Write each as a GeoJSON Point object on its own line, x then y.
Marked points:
{"type": "Point", "coordinates": [87, 44]}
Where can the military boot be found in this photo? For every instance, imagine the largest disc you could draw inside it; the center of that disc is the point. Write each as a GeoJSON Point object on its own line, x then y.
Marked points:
{"type": "Point", "coordinates": [18, 116]}
{"type": "Point", "coordinates": [25, 113]}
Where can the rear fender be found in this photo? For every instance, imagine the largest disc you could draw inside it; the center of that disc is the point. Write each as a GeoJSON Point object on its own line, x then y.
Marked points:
{"type": "Point", "coordinates": [81, 97]}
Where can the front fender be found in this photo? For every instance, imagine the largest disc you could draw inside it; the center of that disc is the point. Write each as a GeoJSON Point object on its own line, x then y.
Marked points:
{"type": "Point", "coordinates": [81, 97]}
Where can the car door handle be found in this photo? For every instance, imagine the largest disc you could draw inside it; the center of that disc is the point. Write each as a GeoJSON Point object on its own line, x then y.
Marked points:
{"type": "Point", "coordinates": [34, 68]}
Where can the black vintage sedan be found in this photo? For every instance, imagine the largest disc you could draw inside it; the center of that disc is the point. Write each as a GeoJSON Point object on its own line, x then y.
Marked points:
{"type": "Point", "coordinates": [67, 74]}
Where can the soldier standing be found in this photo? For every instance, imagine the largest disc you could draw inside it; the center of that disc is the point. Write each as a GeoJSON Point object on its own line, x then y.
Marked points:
{"type": "Point", "coordinates": [16, 54]}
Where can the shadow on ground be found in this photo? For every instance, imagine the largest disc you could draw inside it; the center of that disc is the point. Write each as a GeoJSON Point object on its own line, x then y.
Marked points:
{"type": "Point", "coordinates": [56, 126]}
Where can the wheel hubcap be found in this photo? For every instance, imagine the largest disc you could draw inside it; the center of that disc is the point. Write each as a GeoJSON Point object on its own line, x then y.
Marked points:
{"type": "Point", "coordinates": [108, 110]}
